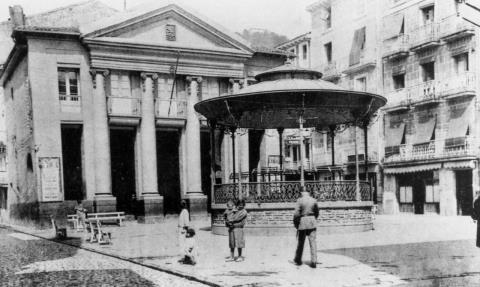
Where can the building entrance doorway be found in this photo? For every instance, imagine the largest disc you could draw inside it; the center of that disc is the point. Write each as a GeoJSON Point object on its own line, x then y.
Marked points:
{"type": "Point", "coordinates": [464, 191]}
{"type": "Point", "coordinates": [72, 162]}
{"type": "Point", "coordinates": [122, 150]}
{"type": "Point", "coordinates": [168, 170]}
{"type": "Point", "coordinates": [206, 166]}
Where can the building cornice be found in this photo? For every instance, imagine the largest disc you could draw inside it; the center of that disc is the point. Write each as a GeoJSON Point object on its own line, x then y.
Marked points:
{"type": "Point", "coordinates": [16, 55]}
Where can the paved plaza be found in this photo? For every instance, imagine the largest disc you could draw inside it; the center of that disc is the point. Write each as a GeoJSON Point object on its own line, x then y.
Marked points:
{"type": "Point", "coordinates": [401, 251]}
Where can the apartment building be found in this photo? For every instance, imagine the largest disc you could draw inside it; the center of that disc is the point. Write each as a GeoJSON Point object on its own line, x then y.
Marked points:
{"type": "Point", "coordinates": [421, 56]}
{"type": "Point", "coordinates": [300, 47]}
{"type": "Point", "coordinates": [344, 47]}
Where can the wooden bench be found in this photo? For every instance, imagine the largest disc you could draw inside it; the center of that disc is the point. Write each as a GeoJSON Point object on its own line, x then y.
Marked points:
{"type": "Point", "coordinates": [97, 234]}
{"type": "Point", "coordinates": [119, 217]}
{"type": "Point", "coordinates": [73, 218]}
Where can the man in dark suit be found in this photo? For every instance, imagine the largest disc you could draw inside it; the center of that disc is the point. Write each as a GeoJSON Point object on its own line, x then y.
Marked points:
{"type": "Point", "coordinates": [305, 220]}
{"type": "Point", "coordinates": [476, 216]}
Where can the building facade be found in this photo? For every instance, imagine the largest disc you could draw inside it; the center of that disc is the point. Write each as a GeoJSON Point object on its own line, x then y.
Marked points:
{"type": "Point", "coordinates": [103, 112]}
{"type": "Point", "coordinates": [421, 56]}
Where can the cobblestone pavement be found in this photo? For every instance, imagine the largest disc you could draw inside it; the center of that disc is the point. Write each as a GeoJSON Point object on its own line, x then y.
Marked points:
{"type": "Point", "coordinates": [29, 261]}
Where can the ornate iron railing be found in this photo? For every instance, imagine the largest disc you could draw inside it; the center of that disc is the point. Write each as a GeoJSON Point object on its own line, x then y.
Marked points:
{"type": "Point", "coordinates": [289, 191]}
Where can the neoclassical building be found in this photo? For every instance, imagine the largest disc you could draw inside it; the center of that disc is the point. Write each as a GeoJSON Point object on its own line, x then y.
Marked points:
{"type": "Point", "coordinates": [104, 112]}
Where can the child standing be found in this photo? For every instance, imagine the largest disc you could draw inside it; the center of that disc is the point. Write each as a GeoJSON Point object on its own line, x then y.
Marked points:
{"type": "Point", "coordinates": [227, 215]}
{"type": "Point", "coordinates": [239, 218]}
{"type": "Point", "coordinates": [81, 215]}
{"type": "Point", "coordinates": [183, 224]}
{"type": "Point", "coordinates": [190, 251]}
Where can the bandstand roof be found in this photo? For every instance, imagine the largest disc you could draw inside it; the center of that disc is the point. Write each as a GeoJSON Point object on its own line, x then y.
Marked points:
{"type": "Point", "coordinates": [284, 93]}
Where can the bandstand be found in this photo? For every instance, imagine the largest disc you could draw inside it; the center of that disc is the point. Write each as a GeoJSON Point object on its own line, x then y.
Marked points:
{"type": "Point", "coordinates": [289, 97]}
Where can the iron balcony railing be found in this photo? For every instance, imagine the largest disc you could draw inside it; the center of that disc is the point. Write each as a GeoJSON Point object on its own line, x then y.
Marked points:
{"type": "Point", "coordinates": [399, 97]}
{"type": "Point", "coordinates": [165, 108]}
{"type": "Point", "coordinates": [463, 83]}
{"type": "Point", "coordinates": [430, 150]}
{"type": "Point", "coordinates": [124, 106]}
{"type": "Point", "coordinates": [425, 34]}
{"type": "Point", "coordinates": [289, 191]}
{"type": "Point", "coordinates": [331, 71]}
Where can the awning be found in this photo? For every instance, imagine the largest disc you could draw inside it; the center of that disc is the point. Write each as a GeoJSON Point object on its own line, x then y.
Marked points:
{"type": "Point", "coordinates": [394, 26]}
{"type": "Point", "coordinates": [458, 126]}
{"type": "Point", "coordinates": [470, 164]}
{"type": "Point", "coordinates": [357, 46]}
{"type": "Point", "coordinates": [393, 136]}
{"type": "Point", "coordinates": [410, 169]}
{"type": "Point", "coordinates": [424, 131]}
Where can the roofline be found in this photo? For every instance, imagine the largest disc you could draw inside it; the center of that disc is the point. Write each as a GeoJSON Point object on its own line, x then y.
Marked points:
{"type": "Point", "coordinates": [14, 57]}
{"type": "Point", "coordinates": [291, 42]}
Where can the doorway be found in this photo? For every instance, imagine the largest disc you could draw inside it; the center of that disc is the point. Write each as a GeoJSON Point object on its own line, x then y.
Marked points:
{"type": "Point", "coordinates": [206, 166]}
{"type": "Point", "coordinates": [168, 170]}
{"type": "Point", "coordinates": [72, 162]}
{"type": "Point", "coordinates": [464, 191]}
{"type": "Point", "coordinates": [122, 150]}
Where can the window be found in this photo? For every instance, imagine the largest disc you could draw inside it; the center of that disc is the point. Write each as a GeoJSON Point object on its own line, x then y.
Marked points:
{"type": "Point", "coordinates": [328, 19]}
{"type": "Point", "coordinates": [461, 63]}
{"type": "Point", "coordinates": [361, 84]}
{"type": "Point", "coordinates": [432, 194]}
{"type": "Point", "coordinates": [304, 52]}
{"type": "Point", "coordinates": [428, 14]}
{"type": "Point", "coordinates": [171, 32]}
{"type": "Point", "coordinates": [328, 52]}
{"type": "Point", "coordinates": [406, 194]}
{"type": "Point", "coordinates": [428, 71]}
{"type": "Point", "coordinates": [398, 81]}
{"type": "Point", "coordinates": [120, 84]}
{"type": "Point", "coordinates": [68, 84]}
{"type": "Point", "coordinates": [3, 197]}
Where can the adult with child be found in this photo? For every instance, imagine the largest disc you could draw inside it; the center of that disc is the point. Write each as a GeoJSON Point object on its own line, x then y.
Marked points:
{"type": "Point", "coordinates": [237, 222]}
{"type": "Point", "coordinates": [305, 221]}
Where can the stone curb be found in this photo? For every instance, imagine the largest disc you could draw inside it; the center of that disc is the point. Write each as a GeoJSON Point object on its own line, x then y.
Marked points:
{"type": "Point", "coordinates": [162, 269]}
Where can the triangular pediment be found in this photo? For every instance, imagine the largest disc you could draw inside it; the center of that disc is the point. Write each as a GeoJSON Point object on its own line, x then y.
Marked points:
{"type": "Point", "coordinates": [169, 26]}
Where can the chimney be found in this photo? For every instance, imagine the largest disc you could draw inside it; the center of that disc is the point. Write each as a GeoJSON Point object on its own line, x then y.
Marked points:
{"type": "Point", "coordinates": [17, 17]}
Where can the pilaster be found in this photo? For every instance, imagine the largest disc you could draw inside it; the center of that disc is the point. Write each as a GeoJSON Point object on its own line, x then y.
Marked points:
{"type": "Point", "coordinates": [448, 198]}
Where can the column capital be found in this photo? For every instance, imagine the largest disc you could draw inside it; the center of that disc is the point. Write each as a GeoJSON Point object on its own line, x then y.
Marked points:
{"type": "Point", "coordinates": [144, 75]}
{"type": "Point", "coordinates": [197, 79]}
{"type": "Point", "coordinates": [94, 72]}
{"type": "Point", "coordinates": [236, 80]}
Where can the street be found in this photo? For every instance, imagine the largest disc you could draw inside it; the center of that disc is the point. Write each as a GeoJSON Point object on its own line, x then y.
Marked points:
{"type": "Point", "coordinates": [29, 261]}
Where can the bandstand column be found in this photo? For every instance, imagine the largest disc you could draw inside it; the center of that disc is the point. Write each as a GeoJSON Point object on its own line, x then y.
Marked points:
{"type": "Point", "coordinates": [198, 201]}
{"type": "Point", "coordinates": [242, 138]}
{"type": "Point", "coordinates": [212, 124]}
{"type": "Point", "coordinates": [104, 200]}
{"type": "Point", "coordinates": [150, 198]}
{"type": "Point", "coordinates": [357, 176]}
{"type": "Point", "coordinates": [280, 146]}
{"type": "Point", "coordinates": [301, 154]}
{"type": "Point", "coordinates": [365, 140]}
{"type": "Point", "coordinates": [332, 137]}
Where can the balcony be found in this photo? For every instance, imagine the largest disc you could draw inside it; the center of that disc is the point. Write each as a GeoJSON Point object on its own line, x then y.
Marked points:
{"type": "Point", "coordinates": [397, 100]}
{"type": "Point", "coordinates": [372, 158]}
{"type": "Point", "coordinates": [165, 108]}
{"type": "Point", "coordinates": [461, 85]}
{"type": "Point", "coordinates": [70, 104]}
{"type": "Point", "coordinates": [439, 149]}
{"type": "Point", "coordinates": [453, 28]}
{"type": "Point", "coordinates": [425, 37]}
{"type": "Point", "coordinates": [331, 72]}
{"type": "Point", "coordinates": [396, 47]}
{"type": "Point", "coordinates": [124, 106]}
{"type": "Point", "coordinates": [424, 93]}
{"type": "Point", "coordinates": [367, 61]}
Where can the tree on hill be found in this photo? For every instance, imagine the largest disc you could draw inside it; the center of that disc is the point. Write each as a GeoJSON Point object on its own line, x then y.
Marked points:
{"type": "Point", "coordinates": [263, 38]}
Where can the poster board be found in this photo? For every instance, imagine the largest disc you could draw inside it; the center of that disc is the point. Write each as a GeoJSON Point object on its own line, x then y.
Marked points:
{"type": "Point", "coordinates": [50, 179]}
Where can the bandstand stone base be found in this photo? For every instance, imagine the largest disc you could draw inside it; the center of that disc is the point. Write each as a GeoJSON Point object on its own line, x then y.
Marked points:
{"type": "Point", "coordinates": [276, 219]}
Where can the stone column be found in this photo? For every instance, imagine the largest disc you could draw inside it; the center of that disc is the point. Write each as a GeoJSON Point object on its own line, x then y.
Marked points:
{"type": "Point", "coordinates": [242, 153]}
{"type": "Point", "coordinates": [198, 201]}
{"type": "Point", "coordinates": [448, 197]}
{"type": "Point", "coordinates": [103, 201]}
{"type": "Point", "coordinates": [150, 200]}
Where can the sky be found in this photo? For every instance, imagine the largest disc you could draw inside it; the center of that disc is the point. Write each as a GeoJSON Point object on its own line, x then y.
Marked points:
{"type": "Point", "coordinates": [285, 17]}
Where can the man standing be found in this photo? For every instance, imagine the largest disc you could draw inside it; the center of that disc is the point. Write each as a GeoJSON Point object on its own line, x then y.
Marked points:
{"type": "Point", "coordinates": [476, 216]}
{"type": "Point", "coordinates": [305, 220]}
